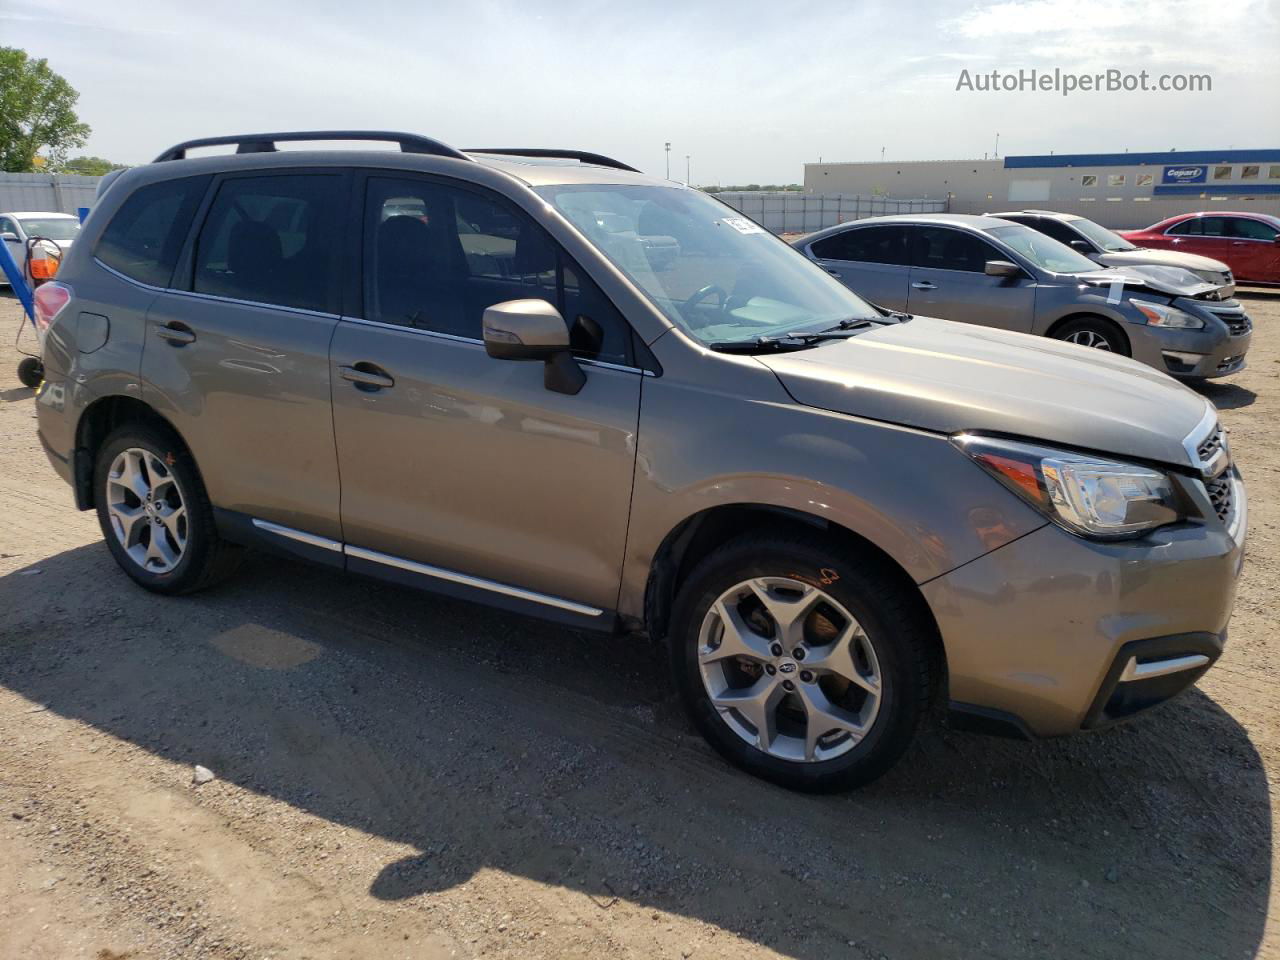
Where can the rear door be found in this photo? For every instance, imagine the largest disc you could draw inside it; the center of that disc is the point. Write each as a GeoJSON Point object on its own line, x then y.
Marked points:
{"type": "Point", "coordinates": [948, 280]}
{"type": "Point", "coordinates": [1253, 244]}
{"type": "Point", "coordinates": [458, 467]}
{"type": "Point", "coordinates": [871, 261]}
{"type": "Point", "coordinates": [237, 351]}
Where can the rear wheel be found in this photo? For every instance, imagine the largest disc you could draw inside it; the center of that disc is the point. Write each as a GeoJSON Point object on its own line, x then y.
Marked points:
{"type": "Point", "coordinates": [1095, 333]}
{"type": "Point", "coordinates": [800, 664]}
{"type": "Point", "coordinates": [154, 512]}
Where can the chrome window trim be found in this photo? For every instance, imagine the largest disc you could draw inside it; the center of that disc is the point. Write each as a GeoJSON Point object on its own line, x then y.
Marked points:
{"type": "Point", "coordinates": [128, 279]}
{"type": "Point", "coordinates": [440, 573]}
{"type": "Point", "coordinates": [215, 297]}
{"type": "Point", "coordinates": [302, 311]}
{"type": "Point", "coordinates": [301, 536]}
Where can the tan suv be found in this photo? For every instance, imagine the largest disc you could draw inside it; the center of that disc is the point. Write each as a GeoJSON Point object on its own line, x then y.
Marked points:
{"type": "Point", "coordinates": [836, 516]}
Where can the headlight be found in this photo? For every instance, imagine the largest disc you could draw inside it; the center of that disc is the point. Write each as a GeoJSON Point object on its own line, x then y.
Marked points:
{"type": "Point", "coordinates": [1088, 495]}
{"type": "Point", "coordinates": [1162, 315]}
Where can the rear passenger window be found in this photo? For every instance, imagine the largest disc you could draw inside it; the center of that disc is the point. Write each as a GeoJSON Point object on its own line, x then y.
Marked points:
{"type": "Point", "coordinates": [865, 245]}
{"type": "Point", "coordinates": [437, 256]}
{"type": "Point", "coordinates": [272, 240]}
{"type": "Point", "coordinates": [1251, 229]}
{"type": "Point", "coordinates": [145, 236]}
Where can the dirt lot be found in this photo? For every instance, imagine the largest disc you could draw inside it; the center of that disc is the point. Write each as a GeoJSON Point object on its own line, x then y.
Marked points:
{"type": "Point", "coordinates": [403, 776]}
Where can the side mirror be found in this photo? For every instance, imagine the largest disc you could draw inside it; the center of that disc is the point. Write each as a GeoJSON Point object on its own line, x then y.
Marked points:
{"type": "Point", "coordinates": [1002, 268]}
{"type": "Point", "coordinates": [1083, 246]}
{"type": "Point", "coordinates": [533, 330]}
{"type": "Point", "coordinates": [9, 236]}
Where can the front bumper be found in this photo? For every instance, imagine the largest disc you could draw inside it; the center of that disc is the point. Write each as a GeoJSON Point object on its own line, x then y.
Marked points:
{"type": "Point", "coordinates": [1216, 351]}
{"type": "Point", "coordinates": [1040, 631]}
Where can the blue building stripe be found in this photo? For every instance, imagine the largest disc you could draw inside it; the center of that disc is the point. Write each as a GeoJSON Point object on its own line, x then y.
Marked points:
{"type": "Point", "coordinates": [1132, 159]}
{"type": "Point", "coordinates": [1216, 189]}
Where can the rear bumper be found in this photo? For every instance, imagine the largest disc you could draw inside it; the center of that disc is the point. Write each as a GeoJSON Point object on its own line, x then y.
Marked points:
{"type": "Point", "coordinates": [1039, 634]}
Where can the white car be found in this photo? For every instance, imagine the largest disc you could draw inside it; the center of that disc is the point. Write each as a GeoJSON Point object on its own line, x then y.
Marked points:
{"type": "Point", "coordinates": [54, 232]}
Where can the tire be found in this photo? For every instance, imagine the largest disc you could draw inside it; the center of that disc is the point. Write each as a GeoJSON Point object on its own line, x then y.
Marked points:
{"type": "Point", "coordinates": [30, 372]}
{"type": "Point", "coordinates": [173, 544]}
{"type": "Point", "coordinates": [1096, 333]}
{"type": "Point", "coordinates": [842, 594]}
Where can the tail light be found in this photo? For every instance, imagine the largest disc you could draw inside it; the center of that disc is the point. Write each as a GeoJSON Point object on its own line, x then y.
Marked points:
{"type": "Point", "coordinates": [50, 300]}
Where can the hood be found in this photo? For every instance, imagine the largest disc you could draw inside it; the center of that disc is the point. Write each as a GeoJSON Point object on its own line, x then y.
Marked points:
{"type": "Point", "coordinates": [1205, 267]}
{"type": "Point", "coordinates": [947, 377]}
{"type": "Point", "coordinates": [1167, 280]}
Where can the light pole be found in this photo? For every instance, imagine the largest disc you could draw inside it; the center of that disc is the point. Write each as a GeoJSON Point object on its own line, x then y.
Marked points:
{"type": "Point", "coordinates": [668, 159]}
{"type": "Point", "coordinates": [686, 169]}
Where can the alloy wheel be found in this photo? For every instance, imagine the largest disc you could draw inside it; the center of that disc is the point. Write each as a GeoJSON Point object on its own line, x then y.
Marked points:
{"type": "Point", "coordinates": [147, 510]}
{"type": "Point", "coordinates": [1089, 338]}
{"type": "Point", "coordinates": [789, 669]}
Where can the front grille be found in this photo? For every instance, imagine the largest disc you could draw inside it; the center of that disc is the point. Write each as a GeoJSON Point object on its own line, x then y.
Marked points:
{"type": "Point", "coordinates": [1219, 491]}
{"type": "Point", "coordinates": [1210, 446]}
{"type": "Point", "coordinates": [1237, 322]}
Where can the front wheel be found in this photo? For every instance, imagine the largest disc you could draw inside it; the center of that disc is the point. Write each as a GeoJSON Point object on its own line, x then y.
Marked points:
{"type": "Point", "coordinates": [1095, 333]}
{"type": "Point", "coordinates": [155, 514]}
{"type": "Point", "coordinates": [800, 664]}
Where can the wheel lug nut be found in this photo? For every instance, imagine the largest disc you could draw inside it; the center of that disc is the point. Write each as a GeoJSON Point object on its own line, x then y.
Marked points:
{"type": "Point", "coordinates": [798, 653]}
{"type": "Point", "coordinates": [770, 669]}
{"type": "Point", "coordinates": [806, 676]}
{"type": "Point", "coordinates": [788, 685]}
{"type": "Point", "coordinates": [776, 649]}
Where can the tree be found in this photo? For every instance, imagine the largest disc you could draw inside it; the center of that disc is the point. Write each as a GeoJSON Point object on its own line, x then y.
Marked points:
{"type": "Point", "coordinates": [90, 166]}
{"type": "Point", "coordinates": [37, 112]}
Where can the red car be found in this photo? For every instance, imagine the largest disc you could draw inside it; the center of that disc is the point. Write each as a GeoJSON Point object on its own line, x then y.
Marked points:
{"type": "Point", "coordinates": [1249, 243]}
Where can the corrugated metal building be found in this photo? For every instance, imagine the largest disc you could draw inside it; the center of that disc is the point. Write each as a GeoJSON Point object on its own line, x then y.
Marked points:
{"type": "Point", "coordinates": [1115, 189]}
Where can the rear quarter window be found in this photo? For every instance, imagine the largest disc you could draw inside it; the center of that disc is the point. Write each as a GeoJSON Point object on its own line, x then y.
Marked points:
{"type": "Point", "coordinates": [145, 236]}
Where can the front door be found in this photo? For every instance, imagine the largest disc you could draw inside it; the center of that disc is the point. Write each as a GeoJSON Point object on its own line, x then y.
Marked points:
{"type": "Point", "coordinates": [463, 465]}
{"type": "Point", "coordinates": [871, 261]}
{"type": "Point", "coordinates": [237, 354]}
{"type": "Point", "coordinates": [948, 280]}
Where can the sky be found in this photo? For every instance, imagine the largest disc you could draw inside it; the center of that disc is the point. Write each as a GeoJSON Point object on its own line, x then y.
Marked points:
{"type": "Point", "coordinates": [750, 91]}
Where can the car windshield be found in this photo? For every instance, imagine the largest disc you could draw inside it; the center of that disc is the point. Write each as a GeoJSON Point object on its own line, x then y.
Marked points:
{"type": "Point", "coordinates": [712, 272]}
{"type": "Point", "coordinates": [1101, 237]}
{"type": "Point", "coordinates": [51, 228]}
{"type": "Point", "coordinates": [1045, 252]}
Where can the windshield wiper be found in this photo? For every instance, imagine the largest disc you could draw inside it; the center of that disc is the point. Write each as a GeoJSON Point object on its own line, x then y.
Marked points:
{"type": "Point", "coordinates": [795, 340]}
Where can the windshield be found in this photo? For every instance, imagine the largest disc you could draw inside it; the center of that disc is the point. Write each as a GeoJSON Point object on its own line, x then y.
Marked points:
{"type": "Point", "coordinates": [54, 228]}
{"type": "Point", "coordinates": [711, 271]}
{"type": "Point", "coordinates": [1045, 252]}
{"type": "Point", "coordinates": [1101, 237]}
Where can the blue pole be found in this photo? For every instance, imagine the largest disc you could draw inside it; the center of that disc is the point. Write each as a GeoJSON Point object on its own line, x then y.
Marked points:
{"type": "Point", "coordinates": [17, 281]}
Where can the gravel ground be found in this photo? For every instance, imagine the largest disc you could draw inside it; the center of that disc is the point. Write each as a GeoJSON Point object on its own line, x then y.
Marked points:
{"type": "Point", "coordinates": [396, 775]}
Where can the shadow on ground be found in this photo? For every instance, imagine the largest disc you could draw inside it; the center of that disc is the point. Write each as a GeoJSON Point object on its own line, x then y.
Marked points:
{"type": "Point", "coordinates": [484, 740]}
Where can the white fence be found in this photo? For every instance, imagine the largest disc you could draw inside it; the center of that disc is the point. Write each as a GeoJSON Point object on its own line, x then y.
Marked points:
{"type": "Point", "coordinates": [46, 192]}
{"type": "Point", "coordinates": [791, 212]}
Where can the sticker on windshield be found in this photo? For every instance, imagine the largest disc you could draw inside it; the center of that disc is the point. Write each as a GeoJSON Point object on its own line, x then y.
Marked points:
{"type": "Point", "coordinates": [743, 225]}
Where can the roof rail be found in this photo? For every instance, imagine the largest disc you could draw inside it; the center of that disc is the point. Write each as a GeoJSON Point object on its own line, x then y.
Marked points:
{"type": "Point", "coordinates": [581, 156]}
{"type": "Point", "coordinates": [266, 142]}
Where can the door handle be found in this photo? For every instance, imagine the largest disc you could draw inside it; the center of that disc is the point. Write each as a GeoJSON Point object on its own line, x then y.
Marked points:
{"type": "Point", "coordinates": [924, 285]}
{"type": "Point", "coordinates": [179, 335]}
{"type": "Point", "coordinates": [367, 376]}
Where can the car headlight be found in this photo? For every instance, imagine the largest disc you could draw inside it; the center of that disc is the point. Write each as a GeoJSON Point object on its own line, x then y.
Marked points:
{"type": "Point", "coordinates": [1088, 495]}
{"type": "Point", "coordinates": [1163, 315]}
